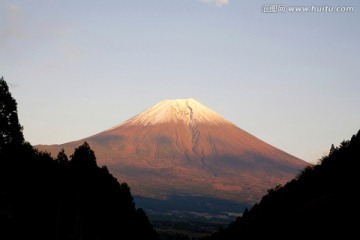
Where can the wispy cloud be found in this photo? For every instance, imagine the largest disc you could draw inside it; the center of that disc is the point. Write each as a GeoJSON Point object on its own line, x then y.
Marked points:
{"type": "Point", "coordinates": [218, 3]}
{"type": "Point", "coordinates": [12, 26]}
{"type": "Point", "coordinates": [21, 30]}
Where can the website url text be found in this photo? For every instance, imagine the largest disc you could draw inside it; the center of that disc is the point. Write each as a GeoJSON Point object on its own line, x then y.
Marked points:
{"type": "Point", "coordinates": [281, 8]}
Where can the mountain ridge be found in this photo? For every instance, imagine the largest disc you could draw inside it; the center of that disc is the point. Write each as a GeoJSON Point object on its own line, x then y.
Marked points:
{"type": "Point", "coordinates": [182, 147]}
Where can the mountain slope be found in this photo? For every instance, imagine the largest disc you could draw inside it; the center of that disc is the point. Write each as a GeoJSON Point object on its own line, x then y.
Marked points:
{"type": "Point", "coordinates": [181, 147]}
{"type": "Point", "coordinates": [322, 201]}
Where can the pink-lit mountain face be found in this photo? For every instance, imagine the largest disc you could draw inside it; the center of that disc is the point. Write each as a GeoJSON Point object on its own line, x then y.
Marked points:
{"type": "Point", "coordinates": [181, 147]}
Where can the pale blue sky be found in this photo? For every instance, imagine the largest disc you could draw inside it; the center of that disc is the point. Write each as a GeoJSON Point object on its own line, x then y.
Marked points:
{"type": "Point", "coordinates": [80, 67]}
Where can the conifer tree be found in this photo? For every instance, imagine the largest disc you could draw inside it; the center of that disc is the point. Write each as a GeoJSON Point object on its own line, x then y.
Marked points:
{"type": "Point", "coordinates": [10, 128]}
{"type": "Point", "coordinates": [84, 157]}
{"type": "Point", "coordinates": [62, 157]}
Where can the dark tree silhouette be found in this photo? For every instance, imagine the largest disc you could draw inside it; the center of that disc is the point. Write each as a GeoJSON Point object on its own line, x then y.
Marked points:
{"type": "Point", "coordinates": [323, 201]}
{"type": "Point", "coordinates": [44, 198]}
{"type": "Point", "coordinates": [84, 157]}
{"type": "Point", "coordinates": [332, 149]}
{"type": "Point", "coordinates": [62, 158]}
{"type": "Point", "coordinates": [10, 129]}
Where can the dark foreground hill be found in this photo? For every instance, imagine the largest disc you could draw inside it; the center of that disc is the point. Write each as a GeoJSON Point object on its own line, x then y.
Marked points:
{"type": "Point", "coordinates": [44, 198]}
{"type": "Point", "coordinates": [323, 201]}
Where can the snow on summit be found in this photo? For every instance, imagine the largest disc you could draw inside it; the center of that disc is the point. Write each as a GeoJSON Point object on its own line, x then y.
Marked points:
{"type": "Point", "coordinates": [186, 110]}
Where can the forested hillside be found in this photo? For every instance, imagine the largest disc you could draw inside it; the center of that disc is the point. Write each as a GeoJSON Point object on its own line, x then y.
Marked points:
{"type": "Point", "coordinates": [322, 201]}
{"type": "Point", "coordinates": [62, 198]}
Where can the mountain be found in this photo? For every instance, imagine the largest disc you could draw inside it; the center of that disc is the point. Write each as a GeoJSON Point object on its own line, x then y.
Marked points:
{"type": "Point", "coordinates": [323, 201]}
{"type": "Point", "coordinates": [180, 147]}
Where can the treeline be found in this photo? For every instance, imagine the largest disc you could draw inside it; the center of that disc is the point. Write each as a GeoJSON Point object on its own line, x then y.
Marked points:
{"type": "Point", "coordinates": [323, 201]}
{"type": "Point", "coordinates": [62, 198]}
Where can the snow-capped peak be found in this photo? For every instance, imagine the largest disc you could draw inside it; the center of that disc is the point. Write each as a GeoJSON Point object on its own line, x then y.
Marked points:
{"type": "Point", "coordinates": [184, 110]}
